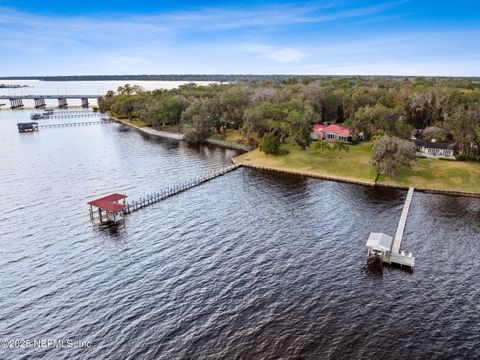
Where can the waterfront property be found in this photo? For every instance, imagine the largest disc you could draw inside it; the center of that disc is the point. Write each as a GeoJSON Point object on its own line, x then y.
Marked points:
{"type": "Point", "coordinates": [434, 149]}
{"type": "Point", "coordinates": [426, 174]}
{"type": "Point", "coordinates": [330, 132]}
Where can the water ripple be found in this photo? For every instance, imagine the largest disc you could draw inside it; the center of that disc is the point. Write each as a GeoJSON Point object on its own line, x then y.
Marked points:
{"type": "Point", "coordinates": [249, 265]}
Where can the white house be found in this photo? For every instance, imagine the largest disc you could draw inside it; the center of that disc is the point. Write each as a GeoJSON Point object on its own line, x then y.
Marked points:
{"type": "Point", "coordinates": [434, 149]}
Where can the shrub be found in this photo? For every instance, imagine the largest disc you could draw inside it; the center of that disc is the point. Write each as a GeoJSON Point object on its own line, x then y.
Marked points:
{"type": "Point", "coordinates": [465, 157]}
{"type": "Point", "coordinates": [197, 136]}
{"type": "Point", "coordinates": [270, 144]}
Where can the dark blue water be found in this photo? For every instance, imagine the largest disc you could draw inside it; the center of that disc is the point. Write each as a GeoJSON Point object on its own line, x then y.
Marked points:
{"type": "Point", "coordinates": [249, 265]}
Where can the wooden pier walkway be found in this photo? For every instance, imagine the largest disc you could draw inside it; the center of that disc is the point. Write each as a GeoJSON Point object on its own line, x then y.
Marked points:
{"type": "Point", "coordinates": [403, 221]}
{"type": "Point", "coordinates": [395, 255]}
{"type": "Point", "coordinates": [166, 193]}
{"type": "Point", "coordinates": [387, 249]}
{"type": "Point", "coordinates": [70, 116]}
{"type": "Point", "coordinates": [50, 126]}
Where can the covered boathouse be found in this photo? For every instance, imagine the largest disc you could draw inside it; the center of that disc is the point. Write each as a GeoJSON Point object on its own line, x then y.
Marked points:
{"type": "Point", "coordinates": [112, 207]}
{"type": "Point", "coordinates": [27, 127]}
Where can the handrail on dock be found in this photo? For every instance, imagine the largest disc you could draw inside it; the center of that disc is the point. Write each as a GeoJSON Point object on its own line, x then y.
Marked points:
{"type": "Point", "coordinates": [402, 222]}
{"type": "Point", "coordinates": [388, 249]}
{"type": "Point", "coordinates": [49, 126]}
{"type": "Point", "coordinates": [170, 191]}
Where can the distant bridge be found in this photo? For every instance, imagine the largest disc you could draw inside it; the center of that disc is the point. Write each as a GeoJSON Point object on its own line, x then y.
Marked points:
{"type": "Point", "coordinates": [16, 101]}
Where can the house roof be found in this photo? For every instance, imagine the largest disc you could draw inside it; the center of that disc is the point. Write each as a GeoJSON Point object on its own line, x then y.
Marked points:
{"type": "Point", "coordinates": [337, 129]}
{"type": "Point", "coordinates": [432, 145]}
{"type": "Point", "coordinates": [379, 242]}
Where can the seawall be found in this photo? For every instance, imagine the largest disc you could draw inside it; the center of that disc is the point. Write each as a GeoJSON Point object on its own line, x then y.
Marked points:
{"type": "Point", "coordinates": [355, 181]}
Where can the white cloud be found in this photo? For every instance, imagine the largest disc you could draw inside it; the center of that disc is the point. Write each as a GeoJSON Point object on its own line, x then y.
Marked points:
{"type": "Point", "coordinates": [274, 53]}
{"type": "Point", "coordinates": [257, 40]}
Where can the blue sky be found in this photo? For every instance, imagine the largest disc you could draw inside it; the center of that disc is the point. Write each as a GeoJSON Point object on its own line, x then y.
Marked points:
{"type": "Point", "coordinates": [403, 37]}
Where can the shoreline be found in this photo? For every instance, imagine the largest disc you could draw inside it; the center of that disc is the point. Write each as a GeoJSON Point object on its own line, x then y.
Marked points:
{"type": "Point", "coordinates": [150, 131]}
{"type": "Point", "coordinates": [317, 175]}
{"type": "Point", "coordinates": [310, 174]}
{"type": "Point", "coordinates": [181, 137]}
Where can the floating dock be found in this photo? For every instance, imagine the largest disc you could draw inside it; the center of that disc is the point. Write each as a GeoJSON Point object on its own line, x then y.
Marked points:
{"type": "Point", "coordinates": [388, 248]}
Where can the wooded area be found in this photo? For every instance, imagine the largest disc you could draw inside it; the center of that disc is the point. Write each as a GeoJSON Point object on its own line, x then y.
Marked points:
{"type": "Point", "coordinates": [446, 109]}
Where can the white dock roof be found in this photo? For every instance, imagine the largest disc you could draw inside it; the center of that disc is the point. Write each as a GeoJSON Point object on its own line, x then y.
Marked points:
{"type": "Point", "coordinates": [379, 242]}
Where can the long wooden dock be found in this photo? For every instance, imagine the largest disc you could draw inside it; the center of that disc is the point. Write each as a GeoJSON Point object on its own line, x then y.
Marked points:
{"type": "Point", "coordinates": [397, 256]}
{"type": "Point", "coordinates": [85, 123]}
{"type": "Point", "coordinates": [382, 247]}
{"type": "Point", "coordinates": [403, 221]}
{"type": "Point", "coordinates": [70, 116]}
{"type": "Point", "coordinates": [166, 193]}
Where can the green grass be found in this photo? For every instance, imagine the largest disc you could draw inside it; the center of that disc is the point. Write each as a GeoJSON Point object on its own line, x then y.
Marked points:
{"type": "Point", "coordinates": [137, 122]}
{"type": "Point", "coordinates": [425, 174]}
{"type": "Point", "coordinates": [352, 165]}
{"type": "Point", "coordinates": [439, 175]}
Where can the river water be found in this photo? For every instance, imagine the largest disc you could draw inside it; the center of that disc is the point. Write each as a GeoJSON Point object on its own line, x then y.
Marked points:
{"type": "Point", "coordinates": [249, 265]}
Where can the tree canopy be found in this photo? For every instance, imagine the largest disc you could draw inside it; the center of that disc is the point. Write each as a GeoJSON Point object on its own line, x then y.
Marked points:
{"type": "Point", "coordinates": [390, 154]}
{"type": "Point", "coordinates": [446, 108]}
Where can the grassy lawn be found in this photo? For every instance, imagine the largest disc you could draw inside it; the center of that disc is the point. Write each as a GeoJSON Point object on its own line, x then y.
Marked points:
{"type": "Point", "coordinates": [350, 166]}
{"type": "Point", "coordinates": [236, 137]}
{"type": "Point", "coordinates": [354, 165]}
{"type": "Point", "coordinates": [439, 175]}
{"type": "Point", "coordinates": [136, 122]}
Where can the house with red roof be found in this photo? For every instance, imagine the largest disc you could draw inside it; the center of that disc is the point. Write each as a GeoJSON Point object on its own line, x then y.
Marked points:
{"type": "Point", "coordinates": [330, 132]}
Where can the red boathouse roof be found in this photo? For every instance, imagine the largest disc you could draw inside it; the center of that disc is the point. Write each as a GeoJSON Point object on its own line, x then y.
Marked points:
{"type": "Point", "coordinates": [109, 203]}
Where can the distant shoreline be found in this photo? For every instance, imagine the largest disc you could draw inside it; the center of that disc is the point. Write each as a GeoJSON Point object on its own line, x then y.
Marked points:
{"type": "Point", "coordinates": [220, 77]}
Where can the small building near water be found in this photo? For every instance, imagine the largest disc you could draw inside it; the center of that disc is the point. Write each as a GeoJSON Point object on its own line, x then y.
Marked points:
{"type": "Point", "coordinates": [330, 132]}
{"type": "Point", "coordinates": [111, 206]}
{"type": "Point", "coordinates": [434, 149]}
{"type": "Point", "coordinates": [379, 245]}
{"type": "Point", "coordinates": [27, 127]}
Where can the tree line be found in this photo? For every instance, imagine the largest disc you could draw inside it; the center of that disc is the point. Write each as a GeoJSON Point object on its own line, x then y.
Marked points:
{"type": "Point", "coordinates": [230, 78]}
{"type": "Point", "coordinates": [280, 111]}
